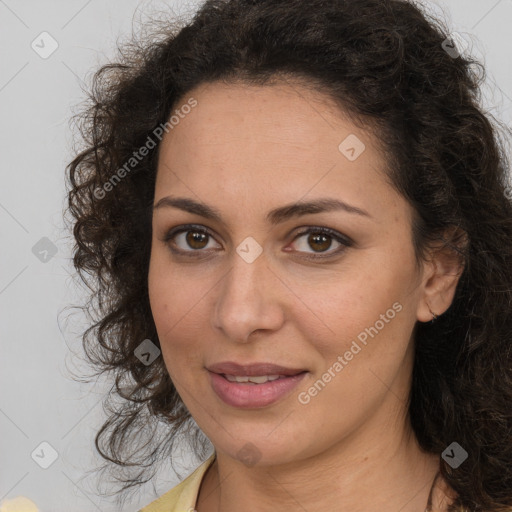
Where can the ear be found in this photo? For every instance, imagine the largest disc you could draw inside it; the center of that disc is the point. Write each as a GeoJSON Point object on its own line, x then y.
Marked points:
{"type": "Point", "coordinates": [441, 274]}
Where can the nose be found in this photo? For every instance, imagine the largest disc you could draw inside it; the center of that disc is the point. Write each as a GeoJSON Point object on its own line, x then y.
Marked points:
{"type": "Point", "coordinates": [248, 300]}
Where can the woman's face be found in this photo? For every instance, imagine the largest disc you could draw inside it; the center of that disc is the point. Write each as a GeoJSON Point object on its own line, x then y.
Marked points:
{"type": "Point", "coordinates": [259, 283]}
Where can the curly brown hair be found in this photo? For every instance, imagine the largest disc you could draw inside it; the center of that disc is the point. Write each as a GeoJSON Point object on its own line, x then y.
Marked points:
{"type": "Point", "coordinates": [384, 62]}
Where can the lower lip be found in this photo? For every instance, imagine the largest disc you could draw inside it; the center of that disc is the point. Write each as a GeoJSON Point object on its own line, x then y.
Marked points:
{"type": "Point", "coordinates": [249, 396]}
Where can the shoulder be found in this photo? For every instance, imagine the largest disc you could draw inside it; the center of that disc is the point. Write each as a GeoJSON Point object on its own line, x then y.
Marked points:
{"type": "Point", "coordinates": [182, 497]}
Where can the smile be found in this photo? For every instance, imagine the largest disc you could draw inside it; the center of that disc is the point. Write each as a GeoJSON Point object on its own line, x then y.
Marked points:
{"type": "Point", "coordinates": [253, 380]}
{"type": "Point", "coordinates": [253, 386]}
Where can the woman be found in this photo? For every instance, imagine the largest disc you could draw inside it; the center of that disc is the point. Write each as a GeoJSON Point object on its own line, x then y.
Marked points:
{"type": "Point", "coordinates": [296, 219]}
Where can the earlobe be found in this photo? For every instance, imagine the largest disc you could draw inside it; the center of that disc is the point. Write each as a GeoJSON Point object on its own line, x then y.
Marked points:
{"type": "Point", "coordinates": [434, 316]}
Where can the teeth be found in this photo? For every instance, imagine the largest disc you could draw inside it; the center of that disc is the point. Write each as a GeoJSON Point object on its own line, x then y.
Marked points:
{"type": "Point", "coordinates": [232, 378]}
{"type": "Point", "coordinates": [255, 380]}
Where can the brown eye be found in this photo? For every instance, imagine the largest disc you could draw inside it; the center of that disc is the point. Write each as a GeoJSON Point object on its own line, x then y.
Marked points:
{"type": "Point", "coordinates": [314, 242]}
{"type": "Point", "coordinates": [319, 240]}
{"type": "Point", "coordinates": [196, 239]}
{"type": "Point", "coordinates": [188, 240]}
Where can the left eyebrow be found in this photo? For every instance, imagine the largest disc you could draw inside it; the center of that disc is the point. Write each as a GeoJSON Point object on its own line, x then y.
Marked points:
{"type": "Point", "coordinates": [274, 217]}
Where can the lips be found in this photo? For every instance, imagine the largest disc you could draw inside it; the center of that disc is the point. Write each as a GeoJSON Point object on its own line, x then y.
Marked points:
{"type": "Point", "coordinates": [252, 370]}
{"type": "Point", "coordinates": [254, 385]}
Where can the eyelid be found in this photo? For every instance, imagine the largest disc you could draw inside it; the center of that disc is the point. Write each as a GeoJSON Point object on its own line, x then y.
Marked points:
{"type": "Point", "coordinates": [344, 241]}
{"type": "Point", "coordinates": [328, 231]}
{"type": "Point", "coordinates": [173, 232]}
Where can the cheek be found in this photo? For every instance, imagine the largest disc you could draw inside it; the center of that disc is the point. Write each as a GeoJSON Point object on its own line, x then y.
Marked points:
{"type": "Point", "coordinates": [176, 306]}
{"type": "Point", "coordinates": [370, 318]}
{"type": "Point", "coordinates": [364, 348]}
{"type": "Point", "coordinates": [371, 297]}
{"type": "Point", "coordinates": [158, 292]}
{"type": "Point", "coordinates": [169, 296]}
{"type": "Point", "coordinates": [162, 299]}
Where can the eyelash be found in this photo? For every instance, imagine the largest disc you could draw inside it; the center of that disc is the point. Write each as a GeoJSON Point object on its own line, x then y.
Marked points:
{"type": "Point", "coordinates": [195, 253]}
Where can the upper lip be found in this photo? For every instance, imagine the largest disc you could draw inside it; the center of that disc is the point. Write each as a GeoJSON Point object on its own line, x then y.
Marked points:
{"type": "Point", "coordinates": [252, 370]}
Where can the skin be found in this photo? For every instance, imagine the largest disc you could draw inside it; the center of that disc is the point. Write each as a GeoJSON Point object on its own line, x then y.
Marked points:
{"type": "Point", "coordinates": [246, 150]}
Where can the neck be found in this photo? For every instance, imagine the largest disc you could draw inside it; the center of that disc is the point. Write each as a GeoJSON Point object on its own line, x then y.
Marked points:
{"type": "Point", "coordinates": [395, 475]}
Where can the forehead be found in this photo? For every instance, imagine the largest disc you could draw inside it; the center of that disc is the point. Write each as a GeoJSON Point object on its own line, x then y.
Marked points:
{"type": "Point", "coordinates": [281, 114]}
{"type": "Point", "coordinates": [281, 140]}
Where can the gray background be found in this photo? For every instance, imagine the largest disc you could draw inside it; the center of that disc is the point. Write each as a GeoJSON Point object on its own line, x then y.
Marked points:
{"type": "Point", "coordinates": [40, 402]}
